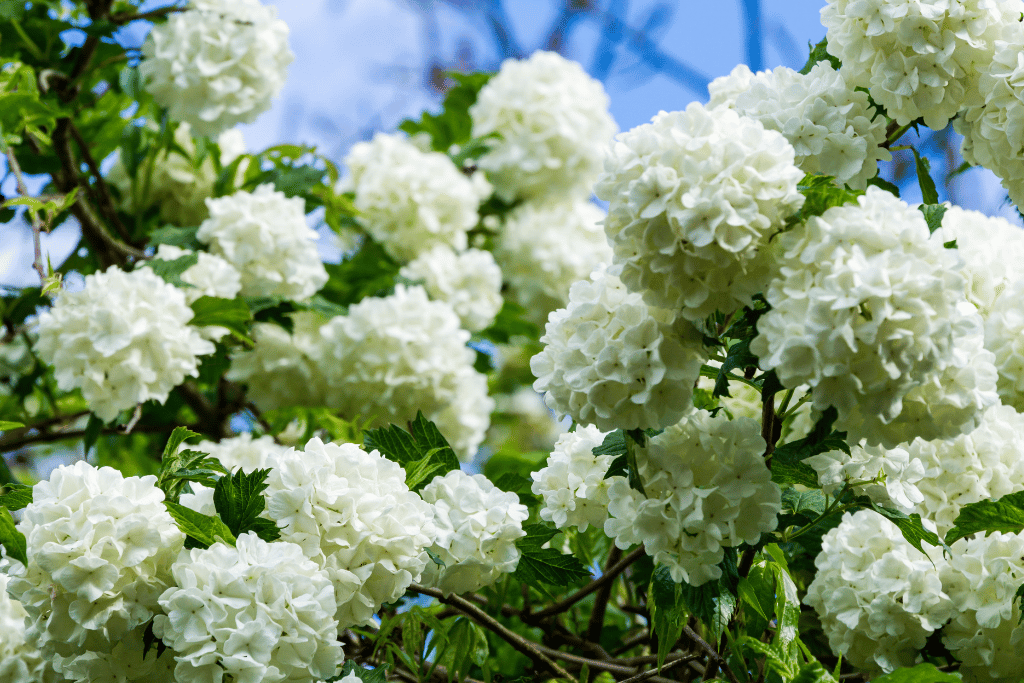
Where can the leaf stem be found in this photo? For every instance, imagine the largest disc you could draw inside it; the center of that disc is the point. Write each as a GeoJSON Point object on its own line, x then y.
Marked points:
{"type": "Point", "coordinates": [606, 577]}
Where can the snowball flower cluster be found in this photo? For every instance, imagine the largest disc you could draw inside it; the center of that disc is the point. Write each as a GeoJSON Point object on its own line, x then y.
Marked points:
{"type": "Point", "coordinates": [478, 525]}
{"type": "Point", "coordinates": [544, 247]}
{"type": "Point", "coordinates": [218, 64]}
{"type": "Point", "coordinates": [210, 276]}
{"type": "Point", "coordinates": [20, 661]}
{"type": "Point", "coordinates": [878, 597]}
{"type": "Point", "coordinates": [693, 197]}
{"type": "Point", "coordinates": [707, 488]}
{"type": "Point", "coordinates": [122, 339]}
{"type": "Point", "coordinates": [552, 123]}
{"type": "Point", "coordinates": [469, 282]}
{"type": "Point", "coordinates": [865, 308]}
{"type": "Point", "coordinates": [129, 661]}
{"type": "Point", "coordinates": [264, 235]}
{"type": "Point", "coordinates": [892, 472]}
{"type": "Point", "coordinates": [411, 200]}
{"type": "Point", "coordinates": [393, 356]}
{"type": "Point", "coordinates": [351, 512]}
{"type": "Point", "coordinates": [1004, 337]}
{"type": "Point", "coordinates": [572, 481]}
{"type": "Point", "coordinates": [612, 361]}
{"type": "Point", "coordinates": [832, 127]}
{"type": "Point", "coordinates": [253, 613]}
{"type": "Point", "coordinates": [920, 58]}
{"type": "Point", "coordinates": [100, 546]}
{"type": "Point", "coordinates": [242, 451]}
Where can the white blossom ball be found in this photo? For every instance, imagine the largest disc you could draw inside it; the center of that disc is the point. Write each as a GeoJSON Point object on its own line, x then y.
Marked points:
{"type": "Point", "coordinates": [99, 546]}
{"type": "Point", "coordinates": [469, 282]}
{"type": "Point", "coordinates": [242, 451]}
{"type": "Point", "coordinates": [832, 127]}
{"type": "Point", "coordinates": [218, 64]}
{"type": "Point", "coordinates": [210, 276]}
{"type": "Point", "coordinates": [257, 612]}
{"type": "Point", "coordinates": [552, 122]}
{"type": "Point", "coordinates": [264, 235]}
{"type": "Point", "coordinates": [20, 660]}
{"type": "Point", "coordinates": [878, 597]}
{"type": "Point", "coordinates": [887, 476]}
{"type": "Point", "coordinates": [543, 248]}
{"type": "Point", "coordinates": [611, 360]}
{"type": "Point", "coordinates": [351, 512]}
{"type": "Point", "coordinates": [707, 488]}
{"type": "Point", "coordinates": [572, 481]}
{"type": "Point", "coordinates": [478, 525]}
{"type": "Point", "coordinates": [393, 356]}
{"type": "Point", "coordinates": [866, 306]}
{"type": "Point", "coordinates": [410, 200]}
{"type": "Point", "coordinates": [126, 662]}
{"type": "Point", "coordinates": [920, 58]}
{"type": "Point", "coordinates": [1004, 337]}
{"type": "Point", "coordinates": [693, 197]}
{"type": "Point", "coordinates": [123, 339]}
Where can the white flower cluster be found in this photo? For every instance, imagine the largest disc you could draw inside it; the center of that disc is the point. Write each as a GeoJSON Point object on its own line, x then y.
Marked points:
{"type": "Point", "coordinates": [545, 247]}
{"type": "Point", "coordinates": [242, 451]}
{"type": "Point", "coordinates": [832, 127]}
{"type": "Point", "coordinates": [253, 613]}
{"type": "Point", "coordinates": [572, 481]}
{"type": "Point", "coordinates": [893, 473]}
{"type": "Point", "coordinates": [351, 512]}
{"type": "Point", "coordinates": [123, 339]}
{"type": "Point", "coordinates": [878, 598]}
{"type": "Point", "coordinates": [469, 282]}
{"type": "Point", "coordinates": [612, 361]}
{"type": "Point", "coordinates": [693, 197]}
{"type": "Point", "coordinates": [127, 662]}
{"type": "Point", "coordinates": [20, 661]}
{"type": "Point", "coordinates": [553, 124]}
{"type": "Point", "coordinates": [1004, 337]}
{"type": "Point", "coordinates": [478, 525]}
{"type": "Point", "coordinates": [866, 308]}
{"type": "Point", "coordinates": [264, 235]}
{"type": "Point", "coordinates": [218, 64]}
{"type": "Point", "coordinates": [920, 58]}
{"type": "Point", "coordinates": [707, 488]}
{"type": "Point", "coordinates": [410, 200]}
{"type": "Point", "coordinates": [210, 276]}
{"type": "Point", "coordinates": [100, 546]}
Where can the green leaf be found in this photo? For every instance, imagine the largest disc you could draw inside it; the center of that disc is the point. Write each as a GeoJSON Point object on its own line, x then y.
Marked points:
{"type": "Point", "coordinates": [7, 424]}
{"type": "Point", "coordinates": [11, 539]}
{"type": "Point", "coordinates": [230, 313]}
{"type": "Point", "coordinates": [884, 184]}
{"type": "Point", "coordinates": [16, 497]}
{"type": "Point", "coordinates": [510, 322]}
{"type": "Point", "coordinates": [813, 672]}
{"type": "Point", "coordinates": [776, 660]}
{"type": "Point", "coordinates": [453, 125]}
{"type": "Point", "coordinates": [820, 53]}
{"type": "Point", "coordinates": [739, 357]}
{"type": "Point", "coordinates": [929, 195]}
{"type": "Point", "coordinates": [787, 460]}
{"type": "Point", "coordinates": [668, 612]}
{"type": "Point", "coordinates": [239, 501]}
{"type": "Point", "coordinates": [130, 82]}
{"type": "Point", "coordinates": [911, 527]}
{"type": "Point", "coordinates": [201, 530]}
{"type": "Point", "coordinates": [370, 271]}
{"type": "Point", "coordinates": [93, 429]}
{"type": "Point", "coordinates": [466, 646]}
{"type": "Point", "coordinates": [423, 452]}
{"type": "Point", "coordinates": [171, 270]}
{"type": "Point", "coordinates": [933, 214]}
{"type": "Point", "coordinates": [950, 244]}
{"type": "Point", "coordinates": [184, 238]}
{"type": "Point", "coordinates": [378, 675]}
{"type": "Point", "coordinates": [757, 590]}
{"type": "Point", "coordinates": [419, 473]}
{"type": "Point", "coordinates": [539, 565]}
{"type": "Point", "coordinates": [1005, 514]}
{"type": "Point", "coordinates": [821, 193]}
{"type": "Point", "coordinates": [713, 603]}
{"type": "Point", "coordinates": [810, 504]}
{"type": "Point", "coordinates": [922, 673]}
{"type": "Point", "coordinates": [1018, 597]}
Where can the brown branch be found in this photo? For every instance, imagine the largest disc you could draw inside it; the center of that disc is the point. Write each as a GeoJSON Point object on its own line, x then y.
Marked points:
{"type": "Point", "coordinates": [35, 222]}
{"type": "Point", "coordinates": [125, 17]}
{"type": "Point", "coordinates": [596, 623]}
{"type": "Point", "coordinates": [50, 437]}
{"type": "Point", "coordinates": [714, 658]}
{"type": "Point", "coordinates": [105, 200]}
{"type": "Point", "coordinates": [607, 577]}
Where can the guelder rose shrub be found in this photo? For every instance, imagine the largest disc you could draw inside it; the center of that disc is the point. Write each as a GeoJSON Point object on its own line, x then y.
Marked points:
{"type": "Point", "coordinates": [759, 419]}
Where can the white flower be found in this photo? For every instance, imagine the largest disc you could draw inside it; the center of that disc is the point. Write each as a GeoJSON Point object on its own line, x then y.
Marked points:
{"type": "Point", "coordinates": [123, 663]}
{"type": "Point", "coordinates": [1004, 336]}
{"type": "Point", "coordinates": [210, 276]}
{"type": "Point", "coordinates": [218, 64]}
{"type": "Point", "coordinates": [878, 597]}
{"type": "Point", "coordinates": [693, 197]}
{"type": "Point", "coordinates": [123, 339]}
{"type": "Point", "coordinates": [99, 546]}
{"type": "Point", "coordinates": [255, 613]}
{"type": "Point", "coordinates": [612, 361]}
{"type": "Point", "coordinates": [264, 235]}
{"type": "Point", "coordinates": [572, 481]}
{"type": "Point", "coordinates": [393, 356]}
{"type": "Point", "coordinates": [242, 451]}
{"type": "Point", "coordinates": [918, 58]}
{"type": "Point", "coordinates": [411, 200]}
{"type": "Point", "coordinates": [469, 282]}
{"type": "Point", "coordinates": [553, 125]}
{"type": "Point", "coordinates": [832, 127]}
{"type": "Point", "coordinates": [351, 512]}
{"type": "Point", "coordinates": [893, 473]}
{"type": "Point", "coordinates": [20, 661]}
{"type": "Point", "coordinates": [545, 247]}
{"type": "Point", "coordinates": [477, 528]}
{"type": "Point", "coordinates": [707, 488]}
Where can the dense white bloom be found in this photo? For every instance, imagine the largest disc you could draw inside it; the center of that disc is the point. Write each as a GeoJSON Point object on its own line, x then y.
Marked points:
{"type": "Point", "coordinates": [572, 481]}
{"type": "Point", "coordinates": [20, 661]}
{"type": "Point", "coordinates": [264, 235]}
{"type": "Point", "coordinates": [866, 307]}
{"type": "Point", "coordinates": [693, 197]}
{"type": "Point", "coordinates": [123, 339]}
{"type": "Point", "coordinates": [832, 127]}
{"type": "Point", "coordinates": [255, 613]}
{"type": "Point", "coordinates": [893, 473]}
{"type": "Point", "coordinates": [411, 200]}
{"type": "Point", "coordinates": [553, 125]}
{"type": "Point", "coordinates": [478, 525]}
{"type": "Point", "coordinates": [612, 361]}
{"type": "Point", "coordinates": [123, 663]}
{"type": "Point", "coordinates": [242, 451]}
{"type": "Point", "coordinates": [210, 276]}
{"type": "Point", "coordinates": [351, 512]}
{"type": "Point", "coordinates": [218, 64]}
{"type": "Point", "coordinates": [1004, 336]}
{"type": "Point", "coordinates": [99, 547]}
{"type": "Point", "coordinates": [393, 356]}
{"type": "Point", "coordinates": [707, 488]}
{"type": "Point", "coordinates": [545, 247]}
{"type": "Point", "coordinates": [469, 282]}
{"type": "Point", "coordinates": [878, 597]}
{"type": "Point", "coordinates": [918, 58]}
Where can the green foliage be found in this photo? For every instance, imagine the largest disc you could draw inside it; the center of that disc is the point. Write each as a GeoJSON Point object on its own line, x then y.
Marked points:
{"type": "Point", "coordinates": [12, 540]}
{"type": "Point", "coordinates": [1005, 514]}
{"type": "Point", "coordinates": [22, 110]}
{"type": "Point", "coordinates": [230, 313]}
{"type": "Point", "coordinates": [378, 675]}
{"type": "Point", "coordinates": [933, 214]}
{"type": "Point", "coordinates": [15, 496]}
{"type": "Point", "coordinates": [171, 270]}
{"type": "Point", "coordinates": [422, 451]}
{"type": "Point", "coordinates": [239, 501]}
{"type": "Point", "coordinates": [819, 53]}
{"type": "Point", "coordinates": [821, 193]}
{"type": "Point", "coordinates": [911, 527]}
{"type": "Point", "coordinates": [184, 238]}
{"type": "Point", "coordinates": [201, 531]}
{"type": "Point", "coordinates": [369, 271]}
{"type": "Point", "coordinates": [539, 565]}
{"type": "Point", "coordinates": [453, 125]}
{"type": "Point", "coordinates": [739, 357]}
{"type": "Point", "coordinates": [668, 611]}
{"type": "Point", "coordinates": [787, 460]}
{"type": "Point", "coordinates": [922, 673]}
{"type": "Point", "coordinates": [465, 646]}
{"type": "Point", "coordinates": [808, 503]}
{"type": "Point", "coordinates": [178, 467]}
{"type": "Point", "coordinates": [929, 194]}
{"type": "Point", "coordinates": [509, 323]}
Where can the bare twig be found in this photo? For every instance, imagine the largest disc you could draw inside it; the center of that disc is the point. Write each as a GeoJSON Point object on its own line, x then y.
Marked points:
{"type": "Point", "coordinates": [604, 593]}
{"type": "Point", "coordinates": [125, 17]}
{"type": "Point", "coordinates": [607, 577]}
{"type": "Point", "coordinates": [36, 222]}
{"type": "Point", "coordinates": [653, 673]}
{"type": "Point", "coordinates": [713, 657]}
